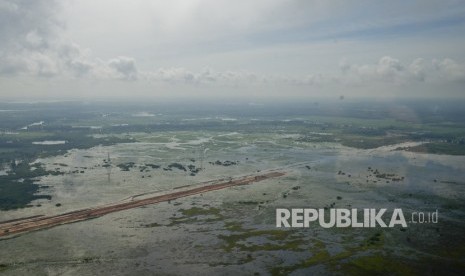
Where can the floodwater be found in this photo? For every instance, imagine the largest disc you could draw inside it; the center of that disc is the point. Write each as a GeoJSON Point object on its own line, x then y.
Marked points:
{"type": "Point", "coordinates": [165, 238]}
{"type": "Point", "coordinates": [49, 142]}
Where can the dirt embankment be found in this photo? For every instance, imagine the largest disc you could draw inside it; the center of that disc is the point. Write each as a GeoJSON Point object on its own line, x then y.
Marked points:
{"type": "Point", "coordinates": [22, 225]}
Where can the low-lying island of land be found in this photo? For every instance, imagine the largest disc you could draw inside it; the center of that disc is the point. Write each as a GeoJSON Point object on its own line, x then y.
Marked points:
{"type": "Point", "coordinates": [17, 226]}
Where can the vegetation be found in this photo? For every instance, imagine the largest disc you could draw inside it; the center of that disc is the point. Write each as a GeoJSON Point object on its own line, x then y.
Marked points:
{"type": "Point", "coordinates": [17, 188]}
{"type": "Point", "coordinates": [17, 152]}
{"type": "Point", "coordinates": [81, 126]}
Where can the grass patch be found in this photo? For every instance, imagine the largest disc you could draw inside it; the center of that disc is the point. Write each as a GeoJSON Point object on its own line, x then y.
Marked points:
{"type": "Point", "coordinates": [197, 214]}
{"type": "Point", "coordinates": [243, 239]}
{"type": "Point", "coordinates": [322, 256]}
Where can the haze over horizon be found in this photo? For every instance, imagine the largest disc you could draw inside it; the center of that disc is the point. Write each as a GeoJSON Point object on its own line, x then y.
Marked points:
{"type": "Point", "coordinates": [221, 49]}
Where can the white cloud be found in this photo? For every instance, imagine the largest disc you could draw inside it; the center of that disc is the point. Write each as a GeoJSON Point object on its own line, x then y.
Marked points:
{"type": "Point", "coordinates": [389, 70]}
{"type": "Point", "coordinates": [449, 69]}
{"type": "Point", "coordinates": [206, 76]}
{"type": "Point", "coordinates": [144, 40]}
{"type": "Point", "coordinates": [172, 75]}
{"type": "Point", "coordinates": [418, 69]}
{"type": "Point", "coordinates": [125, 67]}
{"type": "Point", "coordinates": [32, 44]}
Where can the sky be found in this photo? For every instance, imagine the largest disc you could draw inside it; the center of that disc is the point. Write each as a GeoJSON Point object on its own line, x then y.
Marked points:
{"type": "Point", "coordinates": [106, 49]}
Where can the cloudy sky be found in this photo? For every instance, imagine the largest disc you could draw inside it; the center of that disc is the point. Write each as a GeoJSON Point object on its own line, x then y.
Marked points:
{"type": "Point", "coordinates": [219, 48]}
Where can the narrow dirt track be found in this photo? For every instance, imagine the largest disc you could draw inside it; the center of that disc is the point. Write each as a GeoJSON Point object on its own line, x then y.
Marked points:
{"type": "Point", "coordinates": [22, 225]}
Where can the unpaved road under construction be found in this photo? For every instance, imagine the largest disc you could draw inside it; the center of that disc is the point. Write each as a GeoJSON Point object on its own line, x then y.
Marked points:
{"type": "Point", "coordinates": [22, 225]}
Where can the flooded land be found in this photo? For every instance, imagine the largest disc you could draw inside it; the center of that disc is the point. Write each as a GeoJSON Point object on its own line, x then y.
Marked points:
{"type": "Point", "coordinates": [62, 157]}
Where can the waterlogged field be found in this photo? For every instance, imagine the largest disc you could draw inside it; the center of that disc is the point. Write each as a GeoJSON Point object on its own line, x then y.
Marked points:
{"type": "Point", "coordinates": [337, 160]}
